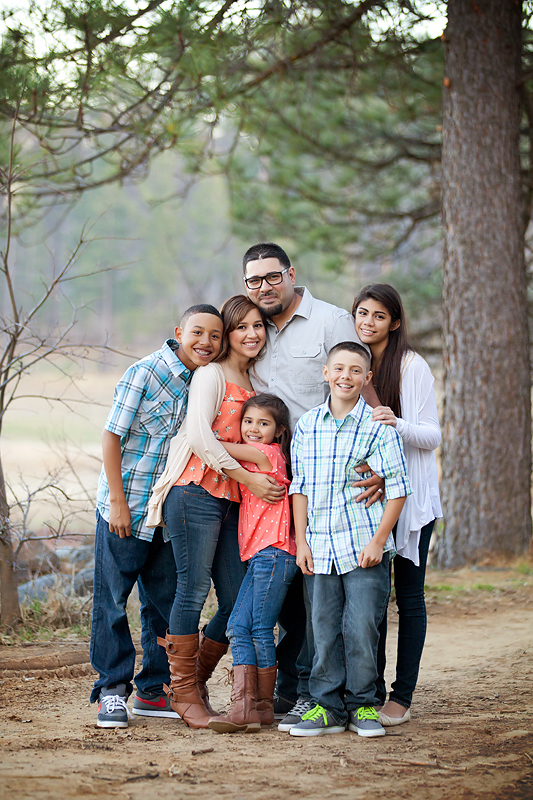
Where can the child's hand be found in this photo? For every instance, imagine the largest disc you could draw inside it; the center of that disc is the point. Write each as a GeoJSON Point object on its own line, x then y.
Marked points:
{"type": "Point", "coordinates": [370, 555]}
{"type": "Point", "coordinates": [119, 518]}
{"type": "Point", "coordinates": [304, 559]}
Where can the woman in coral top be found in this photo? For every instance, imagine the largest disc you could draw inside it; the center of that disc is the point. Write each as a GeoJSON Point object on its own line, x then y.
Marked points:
{"type": "Point", "coordinates": [201, 510]}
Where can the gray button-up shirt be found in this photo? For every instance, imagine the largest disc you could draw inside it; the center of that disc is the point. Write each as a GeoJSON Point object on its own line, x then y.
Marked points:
{"type": "Point", "coordinates": [295, 355]}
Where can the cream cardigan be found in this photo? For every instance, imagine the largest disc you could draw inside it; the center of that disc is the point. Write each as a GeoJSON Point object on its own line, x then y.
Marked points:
{"type": "Point", "coordinates": [420, 432]}
{"type": "Point", "coordinates": [195, 435]}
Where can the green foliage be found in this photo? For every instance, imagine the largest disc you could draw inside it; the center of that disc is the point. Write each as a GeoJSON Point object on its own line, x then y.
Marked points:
{"type": "Point", "coordinates": [325, 116]}
{"type": "Point", "coordinates": [524, 569]}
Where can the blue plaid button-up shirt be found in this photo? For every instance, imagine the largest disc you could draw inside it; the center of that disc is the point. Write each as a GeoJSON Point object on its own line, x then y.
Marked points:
{"type": "Point", "coordinates": [324, 457]}
{"type": "Point", "coordinates": [149, 405]}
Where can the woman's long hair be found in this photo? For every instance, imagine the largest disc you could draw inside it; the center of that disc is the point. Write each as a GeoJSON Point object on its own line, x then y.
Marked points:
{"type": "Point", "coordinates": [280, 414]}
{"type": "Point", "coordinates": [233, 312]}
{"type": "Point", "coordinates": [387, 379]}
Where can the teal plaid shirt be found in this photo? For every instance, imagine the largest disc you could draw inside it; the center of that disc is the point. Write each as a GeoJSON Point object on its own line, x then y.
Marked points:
{"type": "Point", "coordinates": [149, 405]}
{"type": "Point", "coordinates": [324, 458]}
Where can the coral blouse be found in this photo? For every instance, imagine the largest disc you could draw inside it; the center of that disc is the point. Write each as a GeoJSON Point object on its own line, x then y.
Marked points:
{"type": "Point", "coordinates": [227, 428]}
{"type": "Point", "coordinates": [266, 524]}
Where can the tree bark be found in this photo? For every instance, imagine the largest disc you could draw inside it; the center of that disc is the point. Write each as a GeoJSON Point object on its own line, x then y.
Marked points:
{"type": "Point", "coordinates": [487, 416]}
{"type": "Point", "coordinates": [9, 599]}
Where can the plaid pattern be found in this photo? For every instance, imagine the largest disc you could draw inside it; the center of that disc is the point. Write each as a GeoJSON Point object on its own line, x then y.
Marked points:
{"type": "Point", "coordinates": [324, 458]}
{"type": "Point", "coordinates": [149, 405]}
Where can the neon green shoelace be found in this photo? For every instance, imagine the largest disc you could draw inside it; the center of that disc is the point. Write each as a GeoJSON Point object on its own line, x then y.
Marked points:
{"type": "Point", "coordinates": [316, 712]}
{"type": "Point", "coordinates": [367, 712]}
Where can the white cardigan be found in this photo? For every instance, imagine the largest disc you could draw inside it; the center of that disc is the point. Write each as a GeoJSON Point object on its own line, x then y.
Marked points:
{"type": "Point", "coordinates": [195, 435]}
{"type": "Point", "coordinates": [420, 431]}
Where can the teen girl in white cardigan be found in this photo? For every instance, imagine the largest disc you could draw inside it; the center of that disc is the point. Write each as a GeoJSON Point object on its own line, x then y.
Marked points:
{"type": "Point", "coordinates": [405, 387]}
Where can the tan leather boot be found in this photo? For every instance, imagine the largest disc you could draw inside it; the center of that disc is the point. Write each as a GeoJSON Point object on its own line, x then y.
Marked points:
{"type": "Point", "coordinates": [242, 714]}
{"type": "Point", "coordinates": [209, 654]}
{"type": "Point", "coordinates": [266, 683]}
{"type": "Point", "coordinates": [182, 653]}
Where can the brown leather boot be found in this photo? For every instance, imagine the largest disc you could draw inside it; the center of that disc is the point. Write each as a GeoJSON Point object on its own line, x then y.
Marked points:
{"type": "Point", "coordinates": [266, 683]}
{"type": "Point", "coordinates": [209, 654]}
{"type": "Point", "coordinates": [242, 714]}
{"type": "Point", "coordinates": [182, 652]}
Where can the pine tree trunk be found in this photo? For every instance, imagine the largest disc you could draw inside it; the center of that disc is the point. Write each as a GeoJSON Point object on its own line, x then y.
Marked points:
{"type": "Point", "coordinates": [9, 599]}
{"type": "Point", "coordinates": [487, 416]}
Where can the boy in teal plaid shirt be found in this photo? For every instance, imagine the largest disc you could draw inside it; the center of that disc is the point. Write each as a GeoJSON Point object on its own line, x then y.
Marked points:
{"type": "Point", "coordinates": [148, 407]}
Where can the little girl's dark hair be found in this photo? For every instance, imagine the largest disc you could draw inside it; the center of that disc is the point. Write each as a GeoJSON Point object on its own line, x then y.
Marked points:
{"type": "Point", "coordinates": [280, 413]}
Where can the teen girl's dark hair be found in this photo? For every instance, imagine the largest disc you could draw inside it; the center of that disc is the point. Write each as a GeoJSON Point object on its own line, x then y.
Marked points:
{"type": "Point", "coordinates": [280, 414]}
{"type": "Point", "coordinates": [387, 377]}
{"type": "Point", "coordinates": [232, 313]}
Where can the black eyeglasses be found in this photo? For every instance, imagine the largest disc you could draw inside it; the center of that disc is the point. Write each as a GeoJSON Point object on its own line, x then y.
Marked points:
{"type": "Point", "coordinates": [273, 278]}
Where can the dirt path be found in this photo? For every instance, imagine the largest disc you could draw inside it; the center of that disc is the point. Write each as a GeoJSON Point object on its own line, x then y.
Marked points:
{"type": "Point", "coordinates": [471, 734]}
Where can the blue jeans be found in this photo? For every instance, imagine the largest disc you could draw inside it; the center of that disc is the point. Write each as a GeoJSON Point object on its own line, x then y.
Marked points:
{"type": "Point", "coordinates": [346, 611]}
{"type": "Point", "coordinates": [118, 564]}
{"type": "Point", "coordinates": [263, 590]}
{"type": "Point", "coordinates": [412, 621]}
{"type": "Point", "coordinates": [203, 532]}
{"type": "Point", "coordinates": [295, 648]}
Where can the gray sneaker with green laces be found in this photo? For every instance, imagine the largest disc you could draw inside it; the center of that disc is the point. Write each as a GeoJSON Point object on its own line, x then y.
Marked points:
{"type": "Point", "coordinates": [317, 722]}
{"type": "Point", "coordinates": [365, 722]}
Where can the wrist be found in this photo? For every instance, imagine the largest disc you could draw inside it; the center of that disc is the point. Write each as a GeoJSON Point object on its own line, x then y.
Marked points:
{"type": "Point", "coordinates": [380, 538]}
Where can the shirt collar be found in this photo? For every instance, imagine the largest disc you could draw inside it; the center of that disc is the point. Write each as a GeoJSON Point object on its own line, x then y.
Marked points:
{"type": "Point", "coordinates": [356, 412]}
{"type": "Point", "coordinates": [304, 309]}
{"type": "Point", "coordinates": [168, 354]}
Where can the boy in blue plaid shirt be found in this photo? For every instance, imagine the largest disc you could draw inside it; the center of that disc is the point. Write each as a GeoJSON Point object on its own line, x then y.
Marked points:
{"type": "Point", "coordinates": [344, 548]}
{"type": "Point", "coordinates": [149, 405]}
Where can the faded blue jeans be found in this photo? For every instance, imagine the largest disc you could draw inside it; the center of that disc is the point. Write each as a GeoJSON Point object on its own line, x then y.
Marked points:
{"type": "Point", "coordinates": [263, 590]}
{"type": "Point", "coordinates": [295, 648]}
{"type": "Point", "coordinates": [412, 622]}
{"type": "Point", "coordinates": [203, 532]}
{"type": "Point", "coordinates": [118, 565]}
{"type": "Point", "coordinates": [346, 611]}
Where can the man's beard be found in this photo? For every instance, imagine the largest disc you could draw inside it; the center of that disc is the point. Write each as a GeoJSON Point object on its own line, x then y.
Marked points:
{"type": "Point", "coordinates": [271, 311]}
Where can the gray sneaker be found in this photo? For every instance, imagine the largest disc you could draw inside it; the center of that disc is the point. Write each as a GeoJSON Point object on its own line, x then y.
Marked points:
{"type": "Point", "coordinates": [153, 705]}
{"type": "Point", "coordinates": [365, 722]}
{"type": "Point", "coordinates": [295, 714]}
{"type": "Point", "coordinates": [317, 722]}
{"type": "Point", "coordinates": [113, 711]}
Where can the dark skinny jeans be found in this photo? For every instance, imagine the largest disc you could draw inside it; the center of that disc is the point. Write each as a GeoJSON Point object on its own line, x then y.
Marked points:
{"type": "Point", "coordinates": [412, 621]}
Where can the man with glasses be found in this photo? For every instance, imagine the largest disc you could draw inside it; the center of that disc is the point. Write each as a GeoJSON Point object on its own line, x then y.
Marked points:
{"type": "Point", "coordinates": [300, 332]}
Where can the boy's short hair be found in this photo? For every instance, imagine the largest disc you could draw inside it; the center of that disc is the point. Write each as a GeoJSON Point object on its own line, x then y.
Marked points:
{"type": "Point", "coordinates": [200, 308]}
{"type": "Point", "coordinates": [351, 347]}
{"type": "Point", "coordinates": [265, 250]}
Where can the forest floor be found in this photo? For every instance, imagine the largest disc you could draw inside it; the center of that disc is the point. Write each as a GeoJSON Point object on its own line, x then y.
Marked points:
{"type": "Point", "coordinates": [471, 733]}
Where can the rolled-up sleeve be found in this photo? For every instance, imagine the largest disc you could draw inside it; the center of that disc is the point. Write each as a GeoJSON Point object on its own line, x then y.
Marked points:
{"type": "Point", "coordinates": [298, 480]}
{"type": "Point", "coordinates": [126, 400]}
{"type": "Point", "coordinates": [388, 461]}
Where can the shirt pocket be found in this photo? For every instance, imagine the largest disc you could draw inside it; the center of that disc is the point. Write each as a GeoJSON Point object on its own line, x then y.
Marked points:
{"type": "Point", "coordinates": [158, 417]}
{"type": "Point", "coordinates": [306, 365]}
